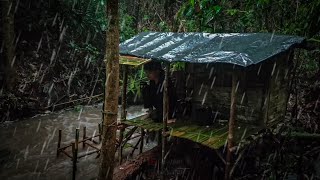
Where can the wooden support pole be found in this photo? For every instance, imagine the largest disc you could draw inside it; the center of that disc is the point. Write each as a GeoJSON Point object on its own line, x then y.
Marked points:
{"type": "Point", "coordinates": [147, 139]}
{"type": "Point", "coordinates": [165, 118]}
{"type": "Point", "coordinates": [231, 125]}
{"type": "Point", "coordinates": [99, 128]}
{"type": "Point", "coordinates": [123, 109]}
{"type": "Point", "coordinates": [59, 142]}
{"type": "Point", "coordinates": [77, 138]}
{"type": "Point", "coordinates": [124, 93]}
{"type": "Point", "coordinates": [74, 161]}
{"type": "Point", "coordinates": [120, 150]}
{"type": "Point", "coordinates": [141, 143]}
{"type": "Point", "coordinates": [75, 152]}
{"type": "Point", "coordinates": [84, 137]}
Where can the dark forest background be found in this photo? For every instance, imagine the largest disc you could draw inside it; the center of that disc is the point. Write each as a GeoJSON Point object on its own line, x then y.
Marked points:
{"type": "Point", "coordinates": [57, 49]}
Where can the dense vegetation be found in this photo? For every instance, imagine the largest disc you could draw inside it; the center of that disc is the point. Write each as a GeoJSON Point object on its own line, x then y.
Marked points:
{"type": "Point", "coordinates": [59, 45]}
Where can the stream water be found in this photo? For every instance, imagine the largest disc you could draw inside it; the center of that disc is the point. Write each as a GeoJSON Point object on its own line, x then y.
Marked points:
{"type": "Point", "coordinates": [28, 147]}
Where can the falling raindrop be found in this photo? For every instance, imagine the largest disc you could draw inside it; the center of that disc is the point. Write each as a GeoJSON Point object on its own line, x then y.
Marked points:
{"type": "Point", "coordinates": [63, 33]}
{"type": "Point", "coordinates": [187, 80]}
{"type": "Point", "coordinates": [17, 40]}
{"type": "Point", "coordinates": [18, 161]}
{"type": "Point", "coordinates": [43, 146]}
{"type": "Point", "coordinates": [48, 41]}
{"type": "Point", "coordinates": [220, 45]}
{"type": "Point", "coordinates": [80, 113]}
{"type": "Point", "coordinates": [62, 24]}
{"type": "Point", "coordinates": [211, 71]}
{"type": "Point", "coordinates": [88, 37]}
{"type": "Point", "coordinates": [14, 132]}
{"type": "Point", "coordinates": [54, 20]}
{"type": "Point", "coordinates": [272, 35]}
{"type": "Point", "coordinates": [200, 88]}
{"type": "Point", "coordinates": [237, 86]}
{"type": "Point", "coordinates": [50, 89]}
{"type": "Point", "coordinates": [17, 5]}
{"type": "Point", "coordinates": [35, 169]}
{"type": "Point", "coordinates": [13, 61]}
{"type": "Point", "coordinates": [274, 67]}
{"type": "Point", "coordinates": [26, 153]}
{"type": "Point", "coordinates": [39, 44]}
{"type": "Point", "coordinates": [38, 126]}
{"type": "Point", "coordinates": [45, 167]}
{"type": "Point", "coordinates": [215, 116]}
{"type": "Point", "coordinates": [242, 98]}
{"type": "Point", "coordinates": [204, 98]}
{"type": "Point", "coordinates": [277, 75]}
{"type": "Point", "coordinates": [53, 55]}
{"type": "Point", "coordinates": [225, 145]}
{"type": "Point", "coordinates": [259, 70]}
{"type": "Point", "coordinates": [214, 79]}
{"type": "Point", "coordinates": [9, 9]}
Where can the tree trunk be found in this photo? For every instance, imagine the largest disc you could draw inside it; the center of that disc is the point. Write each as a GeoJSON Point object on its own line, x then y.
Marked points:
{"type": "Point", "coordinates": [8, 48]}
{"type": "Point", "coordinates": [108, 146]}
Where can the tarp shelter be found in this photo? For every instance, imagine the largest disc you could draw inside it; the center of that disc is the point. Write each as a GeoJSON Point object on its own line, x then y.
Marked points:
{"type": "Point", "coordinates": [264, 61]}
{"type": "Point", "coordinates": [243, 49]}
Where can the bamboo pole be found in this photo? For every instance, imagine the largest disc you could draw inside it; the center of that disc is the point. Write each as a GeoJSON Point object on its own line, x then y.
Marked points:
{"type": "Point", "coordinates": [59, 142]}
{"type": "Point", "coordinates": [123, 109]}
{"type": "Point", "coordinates": [165, 117]}
{"type": "Point", "coordinates": [231, 125]}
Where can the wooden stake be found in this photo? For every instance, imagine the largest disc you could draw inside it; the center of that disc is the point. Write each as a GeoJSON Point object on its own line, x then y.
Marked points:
{"type": "Point", "coordinates": [165, 117]}
{"type": "Point", "coordinates": [84, 137]}
{"type": "Point", "coordinates": [231, 126]}
{"type": "Point", "coordinates": [99, 128]}
{"type": "Point", "coordinates": [59, 142]}
{"type": "Point", "coordinates": [74, 161]}
{"type": "Point", "coordinates": [77, 138]}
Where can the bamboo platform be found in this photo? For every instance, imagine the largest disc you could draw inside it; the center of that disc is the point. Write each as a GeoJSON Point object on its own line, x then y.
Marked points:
{"type": "Point", "coordinates": [213, 137]}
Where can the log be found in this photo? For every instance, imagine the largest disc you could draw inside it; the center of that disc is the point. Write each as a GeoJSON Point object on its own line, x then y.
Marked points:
{"type": "Point", "coordinates": [130, 169]}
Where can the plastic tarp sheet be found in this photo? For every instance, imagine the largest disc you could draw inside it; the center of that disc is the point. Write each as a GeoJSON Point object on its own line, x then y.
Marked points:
{"type": "Point", "coordinates": [242, 49]}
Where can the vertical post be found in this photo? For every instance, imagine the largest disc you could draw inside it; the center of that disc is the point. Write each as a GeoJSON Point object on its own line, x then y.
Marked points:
{"type": "Point", "coordinates": [74, 161]}
{"type": "Point", "coordinates": [77, 138]}
{"type": "Point", "coordinates": [165, 117]}
{"type": "Point", "coordinates": [99, 129]}
{"type": "Point", "coordinates": [124, 93]}
{"type": "Point", "coordinates": [123, 109]}
{"type": "Point", "coordinates": [59, 142]}
{"type": "Point", "coordinates": [84, 137]}
{"type": "Point", "coordinates": [231, 125]}
{"type": "Point", "coordinates": [141, 143]}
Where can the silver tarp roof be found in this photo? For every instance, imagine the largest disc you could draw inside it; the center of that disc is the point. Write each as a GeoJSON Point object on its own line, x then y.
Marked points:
{"type": "Point", "coordinates": [242, 49]}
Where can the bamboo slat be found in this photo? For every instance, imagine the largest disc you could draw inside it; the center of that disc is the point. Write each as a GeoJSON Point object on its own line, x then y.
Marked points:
{"type": "Point", "coordinates": [213, 137]}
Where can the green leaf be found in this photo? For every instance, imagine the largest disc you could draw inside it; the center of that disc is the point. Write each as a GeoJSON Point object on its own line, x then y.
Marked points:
{"type": "Point", "coordinates": [217, 9]}
{"type": "Point", "coordinates": [192, 3]}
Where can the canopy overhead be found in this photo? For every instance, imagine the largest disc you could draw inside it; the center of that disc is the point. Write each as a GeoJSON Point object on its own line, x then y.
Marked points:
{"type": "Point", "coordinates": [242, 49]}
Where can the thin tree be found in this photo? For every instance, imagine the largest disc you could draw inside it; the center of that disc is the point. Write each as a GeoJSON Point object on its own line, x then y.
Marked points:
{"type": "Point", "coordinates": [7, 16]}
{"type": "Point", "coordinates": [108, 147]}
